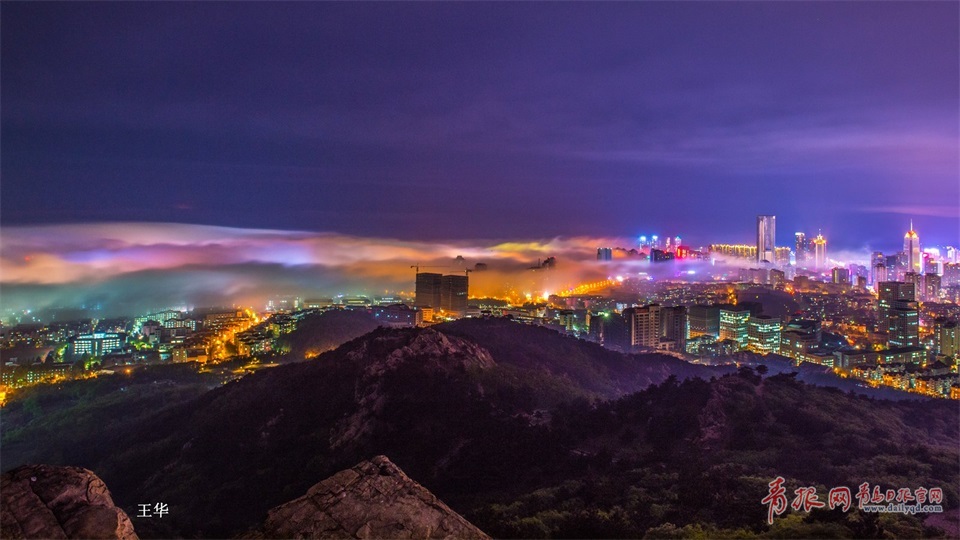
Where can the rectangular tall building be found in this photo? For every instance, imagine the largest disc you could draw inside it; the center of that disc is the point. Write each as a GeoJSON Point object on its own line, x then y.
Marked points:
{"type": "Point", "coordinates": [733, 324]}
{"type": "Point", "coordinates": [894, 294]}
{"type": "Point", "coordinates": [903, 328]}
{"type": "Point", "coordinates": [428, 290]}
{"type": "Point", "coordinates": [673, 325]}
{"type": "Point", "coordinates": [453, 294]}
{"type": "Point", "coordinates": [946, 338]}
{"type": "Point", "coordinates": [802, 247]}
{"type": "Point", "coordinates": [763, 334]}
{"type": "Point", "coordinates": [644, 326]}
{"type": "Point", "coordinates": [703, 320]}
{"type": "Point", "coordinates": [766, 239]}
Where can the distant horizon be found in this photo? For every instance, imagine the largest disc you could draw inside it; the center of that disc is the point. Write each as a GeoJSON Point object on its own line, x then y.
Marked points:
{"type": "Point", "coordinates": [784, 237]}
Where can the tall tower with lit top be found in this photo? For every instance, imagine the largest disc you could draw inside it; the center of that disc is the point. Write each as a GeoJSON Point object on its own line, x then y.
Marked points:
{"type": "Point", "coordinates": [819, 252]}
{"type": "Point", "coordinates": [911, 249]}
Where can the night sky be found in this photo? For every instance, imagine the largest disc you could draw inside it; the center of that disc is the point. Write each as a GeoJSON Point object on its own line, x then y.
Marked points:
{"type": "Point", "coordinates": [487, 120]}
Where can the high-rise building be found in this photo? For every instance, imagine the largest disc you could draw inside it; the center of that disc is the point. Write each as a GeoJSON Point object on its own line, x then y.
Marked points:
{"type": "Point", "coordinates": [946, 338]}
{"type": "Point", "coordinates": [428, 290]}
{"type": "Point", "coordinates": [763, 334]}
{"type": "Point", "coordinates": [897, 313]}
{"type": "Point", "coordinates": [930, 265]}
{"type": "Point", "coordinates": [766, 238]}
{"type": "Point", "coordinates": [894, 295]}
{"type": "Point", "coordinates": [604, 254]}
{"type": "Point", "coordinates": [879, 273]}
{"type": "Point", "coordinates": [917, 280]}
{"type": "Point", "coordinates": [617, 331]}
{"type": "Point", "coordinates": [802, 249]}
{"type": "Point", "coordinates": [645, 324]}
{"type": "Point", "coordinates": [453, 294]}
{"type": "Point", "coordinates": [903, 328]}
{"type": "Point", "coordinates": [911, 249]}
{"type": "Point", "coordinates": [931, 288]}
{"type": "Point", "coordinates": [951, 274]}
{"type": "Point", "coordinates": [703, 320]}
{"type": "Point", "coordinates": [819, 252]}
{"type": "Point", "coordinates": [733, 324]}
{"type": "Point", "coordinates": [673, 327]}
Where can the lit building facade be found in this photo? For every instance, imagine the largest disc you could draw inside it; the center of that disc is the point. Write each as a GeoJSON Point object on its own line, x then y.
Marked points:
{"type": "Point", "coordinates": [894, 295]}
{"type": "Point", "coordinates": [97, 344]}
{"type": "Point", "coordinates": [903, 328]}
{"type": "Point", "coordinates": [733, 325]}
{"type": "Point", "coordinates": [763, 334]}
{"type": "Point", "coordinates": [946, 337]}
{"type": "Point", "coordinates": [645, 326]}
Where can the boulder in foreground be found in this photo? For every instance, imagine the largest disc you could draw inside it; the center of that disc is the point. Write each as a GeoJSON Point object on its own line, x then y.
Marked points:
{"type": "Point", "coordinates": [43, 501]}
{"type": "Point", "coordinates": [373, 499]}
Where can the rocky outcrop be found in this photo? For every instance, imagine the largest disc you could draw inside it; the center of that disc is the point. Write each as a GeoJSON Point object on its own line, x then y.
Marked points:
{"type": "Point", "coordinates": [390, 350]}
{"type": "Point", "coordinates": [374, 499]}
{"type": "Point", "coordinates": [42, 501]}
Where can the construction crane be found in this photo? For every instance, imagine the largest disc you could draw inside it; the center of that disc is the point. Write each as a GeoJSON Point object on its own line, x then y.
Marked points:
{"type": "Point", "coordinates": [419, 266]}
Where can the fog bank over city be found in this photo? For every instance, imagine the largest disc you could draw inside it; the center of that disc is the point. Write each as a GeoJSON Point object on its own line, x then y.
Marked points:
{"type": "Point", "coordinates": [127, 267]}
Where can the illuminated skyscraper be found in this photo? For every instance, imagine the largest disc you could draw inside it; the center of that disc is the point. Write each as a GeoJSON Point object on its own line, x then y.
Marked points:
{"type": "Point", "coordinates": [801, 248]}
{"type": "Point", "coordinates": [911, 249]}
{"type": "Point", "coordinates": [766, 238]}
{"type": "Point", "coordinates": [819, 252]}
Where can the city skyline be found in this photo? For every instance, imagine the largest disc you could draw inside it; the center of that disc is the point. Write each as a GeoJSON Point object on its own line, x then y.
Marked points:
{"type": "Point", "coordinates": [546, 120]}
{"type": "Point", "coordinates": [152, 264]}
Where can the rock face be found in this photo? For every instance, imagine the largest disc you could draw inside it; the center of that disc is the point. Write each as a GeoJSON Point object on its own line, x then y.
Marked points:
{"type": "Point", "coordinates": [42, 501]}
{"type": "Point", "coordinates": [425, 348]}
{"type": "Point", "coordinates": [374, 499]}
